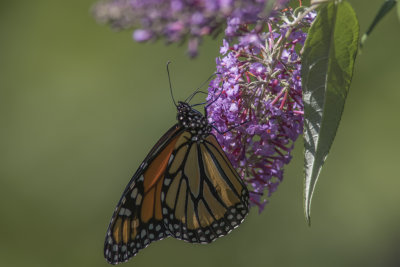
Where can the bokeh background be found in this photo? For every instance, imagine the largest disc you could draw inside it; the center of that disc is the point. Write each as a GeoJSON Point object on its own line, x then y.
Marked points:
{"type": "Point", "coordinates": [81, 105]}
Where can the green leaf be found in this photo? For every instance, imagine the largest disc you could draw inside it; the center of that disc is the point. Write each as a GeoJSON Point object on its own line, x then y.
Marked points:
{"type": "Point", "coordinates": [385, 8]}
{"type": "Point", "coordinates": [327, 69]}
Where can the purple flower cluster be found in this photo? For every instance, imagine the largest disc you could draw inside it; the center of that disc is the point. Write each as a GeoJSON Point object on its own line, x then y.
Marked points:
{"type": "Point", "coordinates": [257, 94]}
{"type": "Point", "coordinates": [178, 20]}
{"type": "Point", "coordinates": [256, 97]}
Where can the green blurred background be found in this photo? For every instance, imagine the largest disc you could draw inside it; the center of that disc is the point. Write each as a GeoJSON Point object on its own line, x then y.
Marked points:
{"type": "Point", "coordinates": [81, 105]}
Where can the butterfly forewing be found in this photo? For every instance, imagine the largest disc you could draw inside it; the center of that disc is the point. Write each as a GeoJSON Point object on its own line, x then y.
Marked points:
{"type": "Point", "coordinates": [137, 219]}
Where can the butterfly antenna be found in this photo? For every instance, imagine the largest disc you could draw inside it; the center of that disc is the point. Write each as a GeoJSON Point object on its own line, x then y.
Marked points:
{"type": "Point", "coordinates": [197, 90]}
{"type": "Point", "coordinates": [170, 86]}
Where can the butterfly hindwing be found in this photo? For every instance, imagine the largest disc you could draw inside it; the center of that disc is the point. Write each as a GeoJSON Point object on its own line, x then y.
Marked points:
{"type": "Point", "coordinates": [203, 197]}
{"type": "Point", "coordinates": [137, 219]}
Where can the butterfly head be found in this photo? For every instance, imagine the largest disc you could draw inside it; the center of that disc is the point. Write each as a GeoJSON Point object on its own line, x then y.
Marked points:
{"type": "Point", "coordinates": [193, 121]}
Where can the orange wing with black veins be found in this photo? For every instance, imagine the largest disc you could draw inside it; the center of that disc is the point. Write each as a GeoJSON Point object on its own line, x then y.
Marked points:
{"type": "Point", "coordinates": [137, 219]}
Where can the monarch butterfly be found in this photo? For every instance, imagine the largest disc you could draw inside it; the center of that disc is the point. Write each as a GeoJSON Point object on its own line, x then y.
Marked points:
{"type": "Point", "coordinates": [185, 188]}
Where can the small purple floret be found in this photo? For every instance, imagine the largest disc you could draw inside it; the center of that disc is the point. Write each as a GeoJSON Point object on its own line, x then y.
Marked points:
{"type": "Point", "coordinates": [142, 35]}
